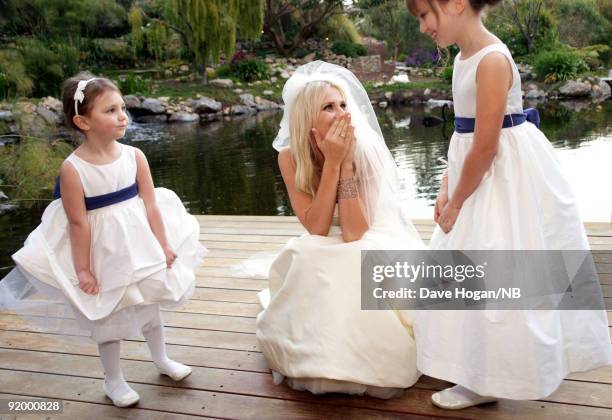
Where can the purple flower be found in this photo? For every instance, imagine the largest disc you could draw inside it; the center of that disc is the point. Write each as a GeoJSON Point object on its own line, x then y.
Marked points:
{"type": "Point", "coordinates": [419, 57]}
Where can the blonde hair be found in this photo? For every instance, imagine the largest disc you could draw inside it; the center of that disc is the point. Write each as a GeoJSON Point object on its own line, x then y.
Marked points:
{"type": "Point", "coordinates": [302, 118]}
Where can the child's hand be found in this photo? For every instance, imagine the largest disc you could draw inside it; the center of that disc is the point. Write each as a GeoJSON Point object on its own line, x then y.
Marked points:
{"type": "Point", "coordinates": [448, 217]}
{"type": "Point", "coordinates": [440, 204]}
{"type": "Point", "coordinates": [170, 256]}
{"type": "Point", "coordinates": [87, 282]}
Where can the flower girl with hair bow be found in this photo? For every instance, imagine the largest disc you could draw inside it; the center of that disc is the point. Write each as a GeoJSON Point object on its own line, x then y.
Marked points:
{"type": "Point", "coordinates": [113, 247]}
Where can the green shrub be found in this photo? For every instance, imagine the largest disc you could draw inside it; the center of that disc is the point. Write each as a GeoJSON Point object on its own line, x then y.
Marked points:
{"type": "Point", "coordinates": [594, 56]}
{"type": "Point", "coordinates": [224, 71]}
{"type": "Point", "coordinates": [300, 52]}
{"type": "Point", "coordinates": [339, 27]}
{"type": "Point", "coordinates": [583, 24]}
{"type": "Point", "coordinates": [558, 65]}
{"type": "Point", "coordinates": [447, 74]}
{"type": "Point", "coordinates": [70, 58]}
{"type": "Point", "coordinates": [43, 65]}
{"type": "Point", "coordinates": [501, 22]}
{"type": "Point", "coordinates": [13, 78]}
{"type": "Point", "coordinates": [349, 49]}
{"type": "Point", "coordinates": [32, 166]}
{"type": "Point", "coordinates": [132, 84]}
{"type": "Point", "coordinates": [249, 70]}
{"type": "Point", "coordinates": [107, 51]}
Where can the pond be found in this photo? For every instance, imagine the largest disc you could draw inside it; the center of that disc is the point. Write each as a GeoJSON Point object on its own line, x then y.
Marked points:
{"type": "Point", "coordinates": [229, 167]}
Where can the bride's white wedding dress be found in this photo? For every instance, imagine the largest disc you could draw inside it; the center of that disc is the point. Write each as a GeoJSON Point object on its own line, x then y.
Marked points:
{"type": "Point", "coordinates": [313, 330]}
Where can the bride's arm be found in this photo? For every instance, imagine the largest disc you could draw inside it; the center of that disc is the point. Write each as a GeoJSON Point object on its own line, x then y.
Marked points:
{"type": "Point", "coordinates": [316, 213]}
{"type": "Point", "coordinates": [350, 206]}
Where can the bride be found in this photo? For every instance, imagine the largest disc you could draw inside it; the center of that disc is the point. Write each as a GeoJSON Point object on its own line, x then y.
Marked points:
{"type": "Point", "coordinates": [344, 188]}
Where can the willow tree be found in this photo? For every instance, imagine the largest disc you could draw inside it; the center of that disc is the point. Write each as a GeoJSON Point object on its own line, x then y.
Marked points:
{"type": "Point", "coordinates": [207, 28]}
{"type": "Point", "coordinates": [291, 22]}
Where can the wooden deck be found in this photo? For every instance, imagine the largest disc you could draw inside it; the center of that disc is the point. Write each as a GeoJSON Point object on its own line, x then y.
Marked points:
{"type": "Point", "coordinates": [215, 333]}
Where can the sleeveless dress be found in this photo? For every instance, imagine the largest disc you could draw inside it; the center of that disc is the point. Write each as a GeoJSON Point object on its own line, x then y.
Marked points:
{"type": "Point", "coordinates": [523, 202]}
{"type": "Point", "coordinates": [312, 329]}
{"type": "Point", "coordinates": [126, 258]}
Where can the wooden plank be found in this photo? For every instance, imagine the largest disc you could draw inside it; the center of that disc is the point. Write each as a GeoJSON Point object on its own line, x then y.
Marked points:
{"type": "Point", "coordinates": [245, 383]}
{"type": "Point", "coordinates": [137, 350]}
{"type": "Point", "coordinates": [171, 319]}
{"type": "Point", "coordinates": [601, 375]}
{"type": "Point", "coordinates": [249, 218]}
{"type": "Point", "coordinates": [606, 247]}
{"type": "Point", "coordinates": [583, 393]}
{"type": "Point", "coordinates": [208, 379]}
{"type": "Point", "coordinates": [231, 283]}
{"type": "Point", "coordinates": [599, 228]}
{"type": "Point", "coordinates": [184, 336]}
{"type": "Point", "coordinates": [602, 257]}
{"type": "Point", "coordinates": [268, 239]}
{"type": "Point", "coordinates": [226, 273]}
{"type": "Point", "coordinates": [178, 398]}
{"type": "Point", "coordinates": [83, 410]}
{"type": "Point", "coordinates": [282, 224]}
{"type": "Point", "coordinates": [604, 268]}
{"type": "Point", "coordinates": [225, 295]}
{"type": "Point", "coordinates": [569, 392]}
{"type": "Point", "coordinates": [240, 253]}
{"type": "Point", "coordinates": [252, 231]}
{"type": "Point", "coordinates": [205, 357]}
{"type": "Point", "coordinates": [211, 308]}
{"type": "Point", "coordinates": [221, 272]}
{"type": "Point", "coordinates": [250, 246]}
{"type": "Point", "coordinates": [220, 308]}
{"type": "Point", "coordinates": [222, 261]}
{"type": "Point", "coordinates": [182, 400]}
{"type": "Point", "coordinates": [248, 310]}
{"type": "Point", "coordinates": [276, 242]}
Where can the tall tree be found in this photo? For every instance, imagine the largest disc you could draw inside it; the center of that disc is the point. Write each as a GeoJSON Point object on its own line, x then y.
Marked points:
{"type": "Point", "coordinates": [526, 15]}
{"type": "Point", "coordinates": [290, 22]}
{"type": "Point", "coordinates": [386, 19]}
{"type": "Point", "coordinates": [207, 27]}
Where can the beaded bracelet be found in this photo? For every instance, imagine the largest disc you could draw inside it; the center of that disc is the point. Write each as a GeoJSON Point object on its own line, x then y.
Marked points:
{"type": "Point", "coordinates": [347, 188]}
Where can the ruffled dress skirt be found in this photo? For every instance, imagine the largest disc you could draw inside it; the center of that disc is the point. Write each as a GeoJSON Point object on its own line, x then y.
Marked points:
{"type": "Point", "coordinates": [313, 331]}
{"type": "Point", "coordinates": [523, 202]}
{"type": "Point", "coordinates": [126, 260]}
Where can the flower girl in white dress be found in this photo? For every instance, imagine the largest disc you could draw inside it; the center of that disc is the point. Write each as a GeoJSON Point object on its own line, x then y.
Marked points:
{"type": "Point", "coordinates": [505, 191]}
{"type": "Point", "coordinates": [113, 247]}
{"type": "Point", "coordinates": [344, 188]}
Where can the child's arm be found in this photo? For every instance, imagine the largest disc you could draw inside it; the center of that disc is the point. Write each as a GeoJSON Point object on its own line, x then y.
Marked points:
{"type": "Point", "coordinates": [493, 78]}
{"type": "Point", "coordinates": [147, 193]}
{"type": "Point", "coordinates": [73, 201]}
{"type": "Point", "coordinates": [442, 197]}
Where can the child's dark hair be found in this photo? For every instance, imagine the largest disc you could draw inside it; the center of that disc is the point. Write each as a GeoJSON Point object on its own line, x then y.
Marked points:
{"type": "Point", "coordinates": [93, 89]}
{"type": "Point", "coordinates": [477, 5]}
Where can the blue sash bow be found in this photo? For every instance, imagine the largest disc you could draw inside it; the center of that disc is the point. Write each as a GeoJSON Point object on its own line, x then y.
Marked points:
{"type": "Point", "coordinates": [104, 200]}
{"type": "Point", "coordinates": [466, 125]}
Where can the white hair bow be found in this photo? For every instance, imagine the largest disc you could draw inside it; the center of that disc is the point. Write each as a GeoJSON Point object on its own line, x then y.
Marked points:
{"type": "Point", "coordinates": [79, 94]}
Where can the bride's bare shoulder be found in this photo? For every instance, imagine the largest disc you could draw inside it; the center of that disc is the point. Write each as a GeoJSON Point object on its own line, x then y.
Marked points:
{"type": "Point", "coordinates": [284, 158]}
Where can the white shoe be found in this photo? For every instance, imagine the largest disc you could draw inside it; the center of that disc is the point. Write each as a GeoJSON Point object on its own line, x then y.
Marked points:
{"type": "Point", "coordinates": [121, 395]}
{"type": "Point", "coordinates": [458, 398]}
{"type": "Point", "coordinates": [175, 370]}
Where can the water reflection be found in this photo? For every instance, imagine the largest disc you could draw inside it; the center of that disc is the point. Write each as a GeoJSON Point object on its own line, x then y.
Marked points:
{"type": "Point", "coordinates": [229, 167]}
